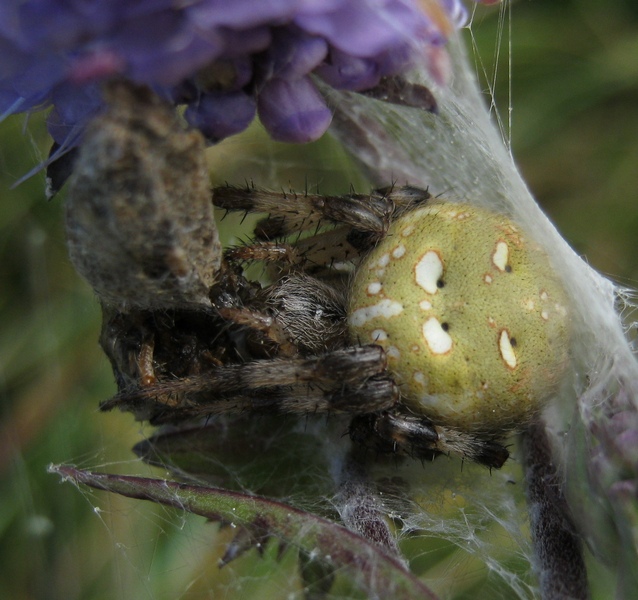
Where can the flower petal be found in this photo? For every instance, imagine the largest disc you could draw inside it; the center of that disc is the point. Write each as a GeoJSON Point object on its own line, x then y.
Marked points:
{"type": "Point", "coordinates": [293, 111]}
{"type": "Point", "coordinates": [219, 115]}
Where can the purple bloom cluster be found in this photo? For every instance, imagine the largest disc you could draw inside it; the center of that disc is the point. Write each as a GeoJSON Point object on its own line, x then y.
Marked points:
{"type": "Point", "coordinates": [225, 59]}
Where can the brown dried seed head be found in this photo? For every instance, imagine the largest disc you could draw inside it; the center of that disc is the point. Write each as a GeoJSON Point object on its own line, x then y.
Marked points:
{"type": "Point", "coordinates": [140, 221]}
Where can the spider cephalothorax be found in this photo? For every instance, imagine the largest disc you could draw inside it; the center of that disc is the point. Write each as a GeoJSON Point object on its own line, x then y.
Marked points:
{"type": "Point", "coordinates": [438, 326]}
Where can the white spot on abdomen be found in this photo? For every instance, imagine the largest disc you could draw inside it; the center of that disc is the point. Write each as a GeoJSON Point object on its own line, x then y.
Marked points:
{"type": "Point", "coordinates": [374, 288]}
{"type": "Point", "coordinates": [379, 335]}
{"type": "Point", "coordinates": [419, 378]}
{"type": "Point", "coordinates": [506, 349]}
{"type": "Point", "coordinates": [500, 257]}
{"type": "Point", "coordinates": [428, 271]}
{"type": "Point", "coordinates": [384, 261]}
{"type": "Point", "coordinates": [425, 305]}
{"type": "Point", "coordinates": [398, 252]}
{"type": "Point", "coordinates": [393, 352]}
{"type": "Point", "coordinates": [437, 339]}
{"type": "Point", "coordinates": [384, 309]}
{"type": "Point", "coordinates": [407, 231]}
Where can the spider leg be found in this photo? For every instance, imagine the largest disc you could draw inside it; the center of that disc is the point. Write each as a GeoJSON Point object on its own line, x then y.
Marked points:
{"type": "Point", "coordinates": [357, 222]}
{"type": "Point", "coordinates": [308, 399]}
{"type": "Point", "coordinates": [291, 212]}
{"type": "Point", "coordinates": [344, 381]}
{"type": "Point", "coordinates": [265, 324]}
{"type": "Point", "coordinates": [328, 254]}
{"type": "Point", "coordinates": [331, 252]}
{"type": "Point", "coordinates": [391, 432]}
{"type": "Point", "coordinates": [266, 251]}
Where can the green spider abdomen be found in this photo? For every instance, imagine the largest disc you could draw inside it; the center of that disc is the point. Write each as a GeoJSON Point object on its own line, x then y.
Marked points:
{"type": "Point", "coordinates": [470, 313]}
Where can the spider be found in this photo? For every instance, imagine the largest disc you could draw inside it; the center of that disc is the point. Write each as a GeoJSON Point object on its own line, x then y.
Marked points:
{"type": "Point", "coordinates": [438, 326]}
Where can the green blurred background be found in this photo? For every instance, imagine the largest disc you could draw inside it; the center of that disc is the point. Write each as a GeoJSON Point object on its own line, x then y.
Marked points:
{"type": "Point", "coordinates": [574, 93]}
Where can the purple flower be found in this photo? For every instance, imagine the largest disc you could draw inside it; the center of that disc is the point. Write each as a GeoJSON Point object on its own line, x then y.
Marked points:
{"type": "Point", "coordinates": [293, 111]}
{"type": "Point", "coordinates": [219, 115]}
{"type": "Point", "coordinates": [224, 59]}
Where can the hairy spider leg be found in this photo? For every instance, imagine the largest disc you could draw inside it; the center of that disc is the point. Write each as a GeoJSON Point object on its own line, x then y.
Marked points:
{"type": "Point", "coordinates": [392, 432]}
{"type": "Point", "coordinates": [324, 253]}
{"type": "Point", "coordinates": [291, 212]}
{"type": "Point", "coordinates": [343, 381]}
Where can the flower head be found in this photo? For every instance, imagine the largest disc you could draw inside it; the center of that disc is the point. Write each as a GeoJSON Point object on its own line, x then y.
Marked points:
{"type": "Point", "coordinates": [225, 60]}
